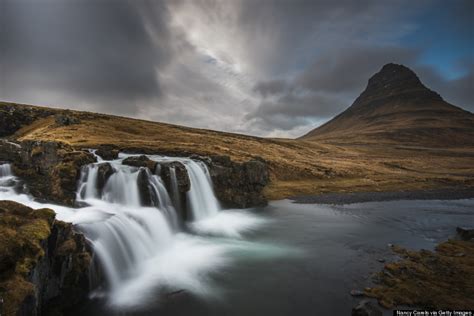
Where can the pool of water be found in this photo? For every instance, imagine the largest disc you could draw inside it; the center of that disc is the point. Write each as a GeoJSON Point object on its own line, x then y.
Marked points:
{"type": "Point", "coordinates": [304, 259]}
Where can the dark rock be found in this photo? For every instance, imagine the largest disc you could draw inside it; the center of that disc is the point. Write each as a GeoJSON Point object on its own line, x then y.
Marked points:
{"type": "Point", "coordinates": [465, 234]}
{"type": "Point", "coordinates": [366, 308]}
{"type": "Point", "coordinates": [50, 169]}
{"type": "Point", "coordinates": [107, 152]}
{"type": "Point", "coordinates": [104, 172]}
{"type": "Point", "coordinates": [143, 183]}
{"type": "Point", "coordinates": [65, 120]}
{"type": "Point", "coordinates": [178, 192]}
{"type": "Point", "coordinates": [182, 177]}
{"type": "Point", "coordinates": [44, 267]}
{"type": "Point", "coordinates": [9, 151]}
{"type": "Point", "coordinates": [381, 260]}
{"type": "Point", "coordinates": [239, 184]}
{"type": "Point", "coordinates": [140, 161]}
{"type": "Point", "coordinates": [15, 116]}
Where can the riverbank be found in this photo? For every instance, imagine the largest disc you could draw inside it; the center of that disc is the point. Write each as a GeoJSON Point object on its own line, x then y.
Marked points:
{"type": "Point", "coordinates": [361, 197]}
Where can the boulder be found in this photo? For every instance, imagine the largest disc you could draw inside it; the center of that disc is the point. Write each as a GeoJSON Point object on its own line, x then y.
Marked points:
{"type": "Point", "coordinates": [182, 177]}
{"type": "Point", "coordinates": [104, 172]}
{"type": "Point", "coordinates": [143, 183]}
{"type": "Point", "coordinates": [239, 184]}
{"type": "Point", "coordinates": [140, 161]}
{"type": "Point", "coordinates": [107, 152]}
{"type": "Point", "coordinates": [44, 267]}
{"type": "Point", "coordinates": [366, 308]}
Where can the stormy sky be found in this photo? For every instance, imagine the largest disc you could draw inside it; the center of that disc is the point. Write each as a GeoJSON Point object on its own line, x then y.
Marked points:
{"type": "Point", "coordinates": [260, 67]}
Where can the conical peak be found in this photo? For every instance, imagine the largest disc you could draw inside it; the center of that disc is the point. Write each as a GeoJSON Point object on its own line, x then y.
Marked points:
{"type": "Point", "coordinates": [392, 80]}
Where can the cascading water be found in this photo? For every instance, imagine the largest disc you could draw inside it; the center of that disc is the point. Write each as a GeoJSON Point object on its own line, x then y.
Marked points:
{"type": "Point", "coordinates": [201, 197]}
{"type": "Point", "coordinates": [139, 248]}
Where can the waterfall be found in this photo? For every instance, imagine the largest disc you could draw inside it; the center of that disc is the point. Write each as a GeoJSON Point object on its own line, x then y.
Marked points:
{"type": "Point", "coordinates": [201, 196]}
{"type": "Point", "coordinates": [5, 170]}
{"type": "Point", "coordinates": [139, 247]}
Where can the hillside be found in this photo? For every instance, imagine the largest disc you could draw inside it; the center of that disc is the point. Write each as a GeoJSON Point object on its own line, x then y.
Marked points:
{"type": "Point", "coordinates": [397, 108]}
{"type": "Point", "coordinates": [332, 158]}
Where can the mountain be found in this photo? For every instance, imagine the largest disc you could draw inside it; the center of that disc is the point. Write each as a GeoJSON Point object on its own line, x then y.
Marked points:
{"type": "Point", "coordinates": [397, 108]}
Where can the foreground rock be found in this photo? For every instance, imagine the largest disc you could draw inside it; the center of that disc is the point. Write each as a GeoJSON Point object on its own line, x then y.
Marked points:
{"type": "Point", "coordinates": [239, 184]}
{"type": "Point", "coordinates": [44, 264]}
{"type": "Point", "coordinates": [50, 169]}
{"type": "Point", "coordinates": [443, 279]}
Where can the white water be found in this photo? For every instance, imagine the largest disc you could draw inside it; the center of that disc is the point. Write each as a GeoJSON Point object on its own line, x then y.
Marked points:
{"type": "Point", "coordinates": [139, 249]}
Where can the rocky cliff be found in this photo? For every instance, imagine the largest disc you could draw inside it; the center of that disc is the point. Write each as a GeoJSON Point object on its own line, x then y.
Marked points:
{"type": "Point", "coordinates": [44, 263]}
{"type": "Point", "coordinates": [50, 169]}
{"type": "Point", "coordinates": [237, 184]}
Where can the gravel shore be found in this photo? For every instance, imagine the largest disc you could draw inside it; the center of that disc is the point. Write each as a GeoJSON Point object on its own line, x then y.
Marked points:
{"type": "Point", "coordinates": [359, 197]}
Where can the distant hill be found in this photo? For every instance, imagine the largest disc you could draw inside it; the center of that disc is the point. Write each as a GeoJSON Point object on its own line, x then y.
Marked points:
{"type": "Point", "coordinates": [397, 108]}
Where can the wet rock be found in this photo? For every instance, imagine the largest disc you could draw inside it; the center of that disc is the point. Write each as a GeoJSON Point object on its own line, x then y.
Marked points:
{"type": "Point", "coordinates": [183, 184]}
{"type": "Point", "coordinates": [465, 234]}
{"type": "Point", "coordinates": [381, 260]}
{"type": "Point", "coordinates": [239, 184]}
{"type": "Point", "coordinates": [182, 177]}
{"type": "Point", "coordinates": [44, 264]}
{"type": "Point", "coordinates": [107, 152]}
{"type": "Point", "coordinates": [65, 120]}
{"type": "Point", "coordinates": [140, 161]}
{"type": "Point", "coordinates": [50, 169]}
{"type": "Point", "coordinates": [104, 172]}
{"type": "Point", "coordinates": [143, 183]}
{"type": "Point", "coordinates": [9, 151]}
{"type": "Point", "coordinates": [366, 308]}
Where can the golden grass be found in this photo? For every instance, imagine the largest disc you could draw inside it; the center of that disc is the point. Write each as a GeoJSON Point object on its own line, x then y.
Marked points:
{"type": "Point", "coordinates": [296, 166]}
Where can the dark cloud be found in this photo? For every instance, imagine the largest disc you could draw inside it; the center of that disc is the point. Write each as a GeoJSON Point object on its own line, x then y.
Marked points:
{"type": "Point", "coordinates": [458, 91]}
{"type": "Point", "coordinates": [269, 67]}
{"type": "Point", "coordinates": [99, 53]}
{"type": "Point", "coordinates": [272, 87]}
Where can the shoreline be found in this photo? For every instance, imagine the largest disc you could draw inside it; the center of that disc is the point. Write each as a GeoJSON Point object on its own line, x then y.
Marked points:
{"type": "Point", "coordinates": [362, 197]}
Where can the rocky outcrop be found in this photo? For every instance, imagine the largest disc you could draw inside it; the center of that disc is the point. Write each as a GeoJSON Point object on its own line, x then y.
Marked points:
{"type": "Point", "coordinates": [140, 161]}
{"type": "Point", "coordinates": [107, 152]}
{"type": "Point", "coordinates": [50, 169]}
{"type": "Point", "coordinates": [239, 184]}
{"type": "Point", "coordinates": [182, 177]}
{"type": "Point", "coordinates": [178, 189]}
{"type": "Point", "coordinates": [15, 116]}
{"type": "Point", "coordinates": [104, 172]}
{"type": "Point", "coordinates": [44, 263]}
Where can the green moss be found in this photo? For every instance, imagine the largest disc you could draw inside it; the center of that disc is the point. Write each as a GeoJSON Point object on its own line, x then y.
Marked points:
{"type": "Point", "coordinates": [22, 233]}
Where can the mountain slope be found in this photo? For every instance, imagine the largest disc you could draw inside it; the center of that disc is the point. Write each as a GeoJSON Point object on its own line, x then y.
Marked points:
{"type": "Point", "coordinates": [397, 108]}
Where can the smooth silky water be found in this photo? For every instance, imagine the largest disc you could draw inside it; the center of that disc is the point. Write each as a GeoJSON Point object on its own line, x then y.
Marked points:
{"type": "Point", "coordinates": [284, 259]}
